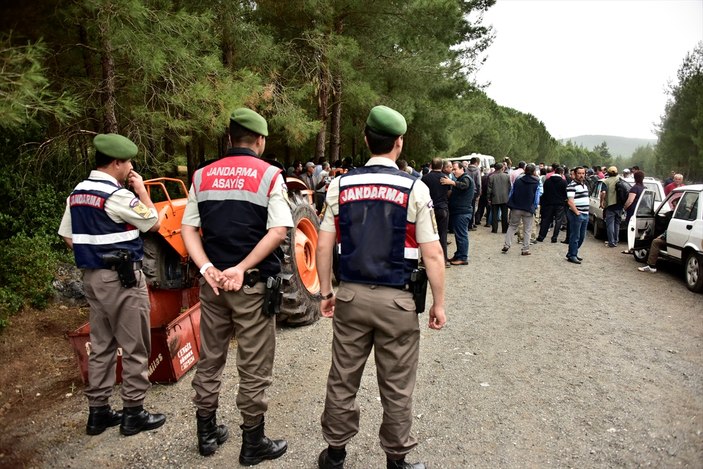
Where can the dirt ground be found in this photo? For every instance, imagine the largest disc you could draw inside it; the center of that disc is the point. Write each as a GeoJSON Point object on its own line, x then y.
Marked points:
{"type": "Point", "coordinates": [542, 364]}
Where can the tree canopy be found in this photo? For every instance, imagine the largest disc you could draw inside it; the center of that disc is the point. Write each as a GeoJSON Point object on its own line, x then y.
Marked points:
{"type": "Point", "coordinates": [680, 146]}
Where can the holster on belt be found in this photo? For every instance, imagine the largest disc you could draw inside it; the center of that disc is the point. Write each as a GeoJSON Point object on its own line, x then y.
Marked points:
{"type": "Point", "coordinates": [418, 287]}
{"type": "Point", "coordinates": [273, 296]}
{"type": "Point", "coordinates": [122, 263]}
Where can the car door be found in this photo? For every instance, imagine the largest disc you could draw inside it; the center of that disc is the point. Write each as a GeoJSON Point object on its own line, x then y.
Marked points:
{"type": "Point", "coordinates": [594, 210]}
{"type": "Point", "coordinates": [681, 225]}
{"type": "Point", "coordinates": [640, 230]}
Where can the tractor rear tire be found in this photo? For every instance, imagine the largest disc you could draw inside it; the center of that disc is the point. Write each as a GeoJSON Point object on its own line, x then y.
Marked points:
{"type": "Point", "coordinates": [300, 304]}
{"type": "Point", "coordinates": [162, 265]}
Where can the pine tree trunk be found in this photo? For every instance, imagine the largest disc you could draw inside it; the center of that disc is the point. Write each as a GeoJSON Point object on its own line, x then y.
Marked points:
{"type": "Point", "coordinates": [107, 92]}
{"type": "Point", "coordinates": [90, 75]}
{"type": "Point", "coordinates": [322, 113]}
{"type": "Point", "coordinates": [190, 161]}
{"type": "Point", "coordinates": [336, 119]}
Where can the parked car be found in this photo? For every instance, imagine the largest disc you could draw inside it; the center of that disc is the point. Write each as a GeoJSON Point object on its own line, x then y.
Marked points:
{"type": "Point", "coordinates": [681, 216]}
{"type": "Point", "coordinates": [595, 213]}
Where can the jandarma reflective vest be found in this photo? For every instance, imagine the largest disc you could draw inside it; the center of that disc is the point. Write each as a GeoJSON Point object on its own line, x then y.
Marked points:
{"type": "Point", "coordinates": [377, 244]}
{"type": "Point", "coordinates": [233, 195]}
{"type": "Point", "coordinates": [94, 232]}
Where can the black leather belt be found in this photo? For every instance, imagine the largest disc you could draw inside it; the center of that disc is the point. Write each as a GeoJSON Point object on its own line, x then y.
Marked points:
{"type": "Point", "coordinates": [397, 287]}
{"type": "Point", "coordinates": [136, 265]}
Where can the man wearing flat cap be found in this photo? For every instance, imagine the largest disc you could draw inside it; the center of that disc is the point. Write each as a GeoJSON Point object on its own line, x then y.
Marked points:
{"type": "Point", "coordinates": [382, 219]}
{"type": "Point", "coordinates": [239, 202]}
{"type": "Point", "coordinates": [101, 224]}
{"type": "Point", "coordinates": [612, 207]}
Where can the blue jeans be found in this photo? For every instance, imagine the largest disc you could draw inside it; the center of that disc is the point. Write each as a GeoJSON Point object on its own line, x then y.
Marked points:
{"type": "Point", "coordinates": [577, 231]}
{"type": "Point", "coordinates": [460, 224]}
{"type": "Point", "coordinates": [613, 217]}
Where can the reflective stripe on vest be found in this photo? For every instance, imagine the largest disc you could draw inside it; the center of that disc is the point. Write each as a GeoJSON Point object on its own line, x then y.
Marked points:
{"type": "Point", "coordinates": [224, 181]}
{"type": "Point", "coordinates": [110, 238]}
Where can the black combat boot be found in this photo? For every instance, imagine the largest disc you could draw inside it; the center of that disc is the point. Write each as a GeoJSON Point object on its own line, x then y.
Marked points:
{"type": "Point", "coordinates": [136, 419]}
{"type": "Point", "coordinates": [332, 458]}
{"type": "Point", "coordinates": [401, 464]}
{"type": "Point", "coordinates": [210, 435]}
{"type": "Point", "coordinates": [99, 418]}
{"type": "Point", "coordinates": [256, 446]}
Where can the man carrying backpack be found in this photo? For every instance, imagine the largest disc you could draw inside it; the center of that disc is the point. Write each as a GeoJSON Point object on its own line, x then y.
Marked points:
{"type": "Point", "coordinates": [612, 201]}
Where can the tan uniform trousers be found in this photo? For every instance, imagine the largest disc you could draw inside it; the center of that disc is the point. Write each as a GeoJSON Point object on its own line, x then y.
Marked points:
{"type": "Point", "coordinates": [382, 318]}
{"type": "Point", "coordinates": [239, 314]}
{"type": "Point", "coordinates": [119, 317]}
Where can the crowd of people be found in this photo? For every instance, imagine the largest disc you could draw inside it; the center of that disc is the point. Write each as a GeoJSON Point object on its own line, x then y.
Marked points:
{"type": "Point", "coordinates": [528, 201]}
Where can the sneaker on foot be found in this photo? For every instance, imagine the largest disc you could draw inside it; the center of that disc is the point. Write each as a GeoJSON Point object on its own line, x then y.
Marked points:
{"type": "Point", "coordinates": [505, 249]}
{"type": "Point", "coordinates": [647, 268]}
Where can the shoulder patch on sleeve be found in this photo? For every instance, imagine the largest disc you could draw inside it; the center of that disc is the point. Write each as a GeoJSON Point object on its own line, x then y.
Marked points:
{"type": "Point", "coordinates": [141, 209]}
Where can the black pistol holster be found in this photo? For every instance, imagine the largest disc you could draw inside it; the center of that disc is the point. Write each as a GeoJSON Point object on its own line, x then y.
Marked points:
{"type": "Point", "coordinates": [273, 296]}
{"type": "Point", "coordinates": [122, 263]}
{"type": "Point", "coordinates": [418, 287]}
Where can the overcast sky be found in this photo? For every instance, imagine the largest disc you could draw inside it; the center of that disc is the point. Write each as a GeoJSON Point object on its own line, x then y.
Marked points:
{"type": "Point", "coordinates": [589, 67]}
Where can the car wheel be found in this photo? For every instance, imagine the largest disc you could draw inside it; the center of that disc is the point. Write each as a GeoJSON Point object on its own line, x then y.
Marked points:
{"type": "Point", "coordinates": [640, 254]}
{"type": "Point", "coordinates": [694, 272]}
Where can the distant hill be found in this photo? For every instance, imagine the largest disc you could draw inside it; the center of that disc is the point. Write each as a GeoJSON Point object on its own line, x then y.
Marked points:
{"type": "Point", "coordinates": [618, 146]}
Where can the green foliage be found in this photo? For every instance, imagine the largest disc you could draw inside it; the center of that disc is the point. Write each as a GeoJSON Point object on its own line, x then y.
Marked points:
{"type": "Point", "coordinates": [34, 190]}
{"type": "Point", "coordinates": [645, 158]}
{"type": "Point", "coordinates": [603, 152]}
{"type": "Point", "coordinates": [25, 92]}
{"type": "Point", "coordinates": [680, 146]}
{"type": "Point", "coordinates": [28, 265]}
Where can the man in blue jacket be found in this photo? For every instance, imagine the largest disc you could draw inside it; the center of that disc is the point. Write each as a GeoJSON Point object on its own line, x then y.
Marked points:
{"type": "Point", "coordinates": [523, 201]}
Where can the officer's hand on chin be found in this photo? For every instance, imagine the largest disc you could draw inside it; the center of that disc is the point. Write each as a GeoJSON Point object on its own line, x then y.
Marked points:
{"type": "Point", "coordinates": [437, 317]}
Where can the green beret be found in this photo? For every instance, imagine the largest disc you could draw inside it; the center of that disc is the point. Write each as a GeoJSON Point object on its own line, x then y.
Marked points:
{"type": "Point", "coordinates": [115, 146]}
{"type": "Point", "coordinates": [250, 120]}
{"type": "Point", "coordinates": [387, 121]}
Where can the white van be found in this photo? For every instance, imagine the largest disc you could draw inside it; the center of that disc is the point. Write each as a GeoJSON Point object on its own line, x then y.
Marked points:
{"type": "Point", "coordinates": [486, 161]}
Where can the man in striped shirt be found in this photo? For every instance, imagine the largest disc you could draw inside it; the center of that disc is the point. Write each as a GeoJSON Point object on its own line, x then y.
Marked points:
{"type": "Point", "coordinates": [577, 215]}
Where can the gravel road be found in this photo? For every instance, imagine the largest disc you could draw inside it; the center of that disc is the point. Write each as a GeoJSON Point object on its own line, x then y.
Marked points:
{"type": "Point", "coordinates": [542, 364]}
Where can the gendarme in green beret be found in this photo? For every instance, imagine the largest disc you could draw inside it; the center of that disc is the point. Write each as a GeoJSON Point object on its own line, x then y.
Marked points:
{"type": "Point", "coordinates": [385, 120]}
{"type": "Point", "coordinates": [115, 146]}
{"type": "Point", "coordinates": [250, 120]}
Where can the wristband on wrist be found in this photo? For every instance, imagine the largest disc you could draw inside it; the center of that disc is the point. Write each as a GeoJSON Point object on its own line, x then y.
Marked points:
{"type": "Point", "coordinates": [327, 296]}
{"type": "Point", "coordinates": [204, 268]}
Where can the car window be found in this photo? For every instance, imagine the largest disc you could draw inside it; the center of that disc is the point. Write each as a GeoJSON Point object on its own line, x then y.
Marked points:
{"type": "Point", "coordinates": [645, 207]}
{"type": "Point", "coordinates": [687, 209]}
{"type": "Point", "coordinates": [652, 186]}
{"type": "Point", "coordinates": [670, 202]}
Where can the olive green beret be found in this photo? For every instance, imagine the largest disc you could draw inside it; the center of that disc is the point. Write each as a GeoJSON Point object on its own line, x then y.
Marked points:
{"type": "Point", "coordinates": [115, 146]}
{"type": "Point", "coordinates": [250, 120]}
{"type": "Point", "coordinates": [387, 121]}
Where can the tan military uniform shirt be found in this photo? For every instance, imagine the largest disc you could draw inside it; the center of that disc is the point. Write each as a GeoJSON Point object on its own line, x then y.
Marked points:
{"type": "Point", "coordinates": [122, 207]}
